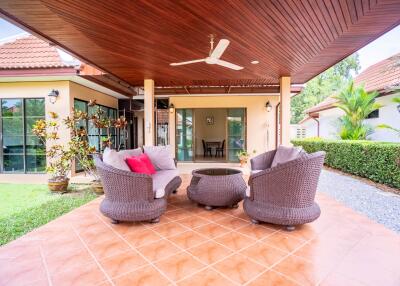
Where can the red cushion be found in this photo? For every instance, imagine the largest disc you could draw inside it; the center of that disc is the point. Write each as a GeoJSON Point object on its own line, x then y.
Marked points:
{"type": "Point", "coordinates": [140, 164]}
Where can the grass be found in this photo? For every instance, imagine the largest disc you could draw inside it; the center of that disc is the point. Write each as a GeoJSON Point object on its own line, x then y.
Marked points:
{"type": "Point", "coordinates": [26, 207]}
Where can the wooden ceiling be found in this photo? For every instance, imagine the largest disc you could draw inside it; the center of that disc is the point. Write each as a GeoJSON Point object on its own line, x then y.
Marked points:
{"type": "Point", "coordinates": [134, 40]}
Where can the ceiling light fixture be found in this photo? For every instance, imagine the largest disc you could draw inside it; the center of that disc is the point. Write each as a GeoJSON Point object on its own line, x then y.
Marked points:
{"type": "Point", "coordinates": [255, 62]}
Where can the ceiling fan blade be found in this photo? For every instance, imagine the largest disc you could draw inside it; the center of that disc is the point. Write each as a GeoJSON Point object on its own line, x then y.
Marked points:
{"type": "Point", "coordinates": [220, 49]}
{"type": "Point", "coordinates": [186, 63]}
{"type": "Point", "coordinates": [228, 65]}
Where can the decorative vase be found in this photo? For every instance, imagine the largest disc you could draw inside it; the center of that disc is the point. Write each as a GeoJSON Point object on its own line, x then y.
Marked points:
{"type": "Point", "coordinates": [97, 187]}
{"type": "Point", "coordinates": [58, 185]}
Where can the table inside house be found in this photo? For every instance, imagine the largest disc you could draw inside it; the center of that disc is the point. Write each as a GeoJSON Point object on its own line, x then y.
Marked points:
{"type": "Point", "coordinates": [213, 145]}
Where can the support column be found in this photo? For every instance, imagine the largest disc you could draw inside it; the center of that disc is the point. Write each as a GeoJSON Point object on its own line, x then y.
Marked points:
{"type": "Point", "coordinates": [285, 110]}
{"type": "Point", "coordinates": [149, 112]}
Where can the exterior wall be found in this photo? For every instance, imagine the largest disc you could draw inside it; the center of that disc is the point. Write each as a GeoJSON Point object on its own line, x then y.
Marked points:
{"type": "Point", "coordinates": [311, 127]}
{"type": "Point", "coordinates": [257, 116]}
{"type": "Point", "coordinates": [84, 93]}
{"type": "Point", "coordinates": [388, 114]}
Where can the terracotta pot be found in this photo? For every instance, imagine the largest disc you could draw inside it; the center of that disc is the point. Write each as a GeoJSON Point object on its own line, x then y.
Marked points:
{"type": "Point", "coordinates": [97, 187]}
{"type": "Point", "coordinates": [243, 163]}
{"type": "Point", "coordinates": [58, 185]}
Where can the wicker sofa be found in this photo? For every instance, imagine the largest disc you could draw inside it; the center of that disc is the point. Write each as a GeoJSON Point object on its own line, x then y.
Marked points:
{"type": "Point", "coordinates": [134, 197]}
{"type": "Point", "coordinates": [284, 194]}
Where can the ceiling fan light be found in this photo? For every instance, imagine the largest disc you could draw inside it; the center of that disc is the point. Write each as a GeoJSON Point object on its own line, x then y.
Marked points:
{"type": "Point", "coordinates": [255, 62]}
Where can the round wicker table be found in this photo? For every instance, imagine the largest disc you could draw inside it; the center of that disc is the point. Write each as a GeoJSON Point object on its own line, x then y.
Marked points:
{"type": "Point", "coordinates": [217, 187]}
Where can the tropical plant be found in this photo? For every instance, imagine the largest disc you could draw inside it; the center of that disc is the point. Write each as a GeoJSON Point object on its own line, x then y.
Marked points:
{"type": "Point", "coordinates": [323, 85]}
{"type": "Point", "coordinates": [386, 126]}
{"type": "Point", "coordinates": [60, 157]}
{"type": "Point", "coordinates": [357, 104]}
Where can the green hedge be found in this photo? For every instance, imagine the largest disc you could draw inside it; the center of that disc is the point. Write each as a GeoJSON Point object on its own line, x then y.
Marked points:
{"type": "Point", "coordinates": [378, 161]}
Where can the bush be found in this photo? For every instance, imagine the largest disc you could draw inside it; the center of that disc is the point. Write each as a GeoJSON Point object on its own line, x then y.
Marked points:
{"type": "Point", "coordinates": [378, 161]}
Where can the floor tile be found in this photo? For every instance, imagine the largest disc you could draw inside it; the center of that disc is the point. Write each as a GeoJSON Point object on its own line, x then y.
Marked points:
{"type": "Point", "coordinates": [211, 230]}
{"type": "Point", "coordinates": [272, 278]}
{"type": "Point", "coordinates": [158, 250]}
{"type": "Point", "coordinates": [193, 221]}
{"type": "Point", "coordinates": [264, 253]}
{"type": "Point", "coordinates": [122, 263]}
{"type": "Point", "coordinates": [105, 249]}
{"type": "Point", "coordinates": [169, 229]}
{"type": "Point", "coordinates": [256, 231]}
{"type": "Point", "coordinates": [301, 271]}
{"type": "Point", "coordinates": [233, 223]}
{"type": "Point", "coordinates": [283, 241]}
{"type": "Point", "coordinates": [235, 241]}
{"type": "Point", "coordinates": [141, 237]}
{"type": "Point", "coordinates": [145, 276]}
{"type": "Point", "coordinates": [179, 266]}
{"type": "Point", "coordinates": [66, 258]}
{"type": "Point", "coordinates": [207, 277]}
{"type": "Point", "coordinates": [19, 272]}
{"type": "Point", "coordinates": [87, 275]}
{"type": "Point", "coordinates": [187, 239]}
{"type": "Point", "coordinates": [239, 268]}
{"type": "Point", "coordinates": [210, 252]}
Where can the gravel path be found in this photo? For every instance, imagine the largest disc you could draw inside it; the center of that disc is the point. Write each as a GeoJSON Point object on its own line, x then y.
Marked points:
{"type": "Point", "coordinates": [382, 207]}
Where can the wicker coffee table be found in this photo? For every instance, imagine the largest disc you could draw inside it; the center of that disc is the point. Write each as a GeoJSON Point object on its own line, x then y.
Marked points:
{"type": "Point", "coordinates": [217, 187]}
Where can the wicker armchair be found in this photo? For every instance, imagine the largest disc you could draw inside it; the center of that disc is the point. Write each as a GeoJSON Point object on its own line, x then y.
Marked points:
{"type": "Point", "coordinates": [130, 196]}
{"type": "Point", "coordinates": [284, 194]}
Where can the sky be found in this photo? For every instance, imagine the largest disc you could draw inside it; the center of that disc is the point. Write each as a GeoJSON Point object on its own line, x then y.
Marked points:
{"type": "Point", "coordinates": [380, 49]}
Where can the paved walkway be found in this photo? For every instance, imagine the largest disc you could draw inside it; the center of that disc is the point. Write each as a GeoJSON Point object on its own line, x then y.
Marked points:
{"type": "Point", "coordinates": [382, 207]}
{"type": "Point", "coordinates": [192, 246]}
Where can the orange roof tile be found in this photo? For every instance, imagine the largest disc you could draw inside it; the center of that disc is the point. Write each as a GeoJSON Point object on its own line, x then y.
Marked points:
{"type": "Point", "coordinates": [378, 77]}
{"type": "Point", "coordinates": [29, 53]}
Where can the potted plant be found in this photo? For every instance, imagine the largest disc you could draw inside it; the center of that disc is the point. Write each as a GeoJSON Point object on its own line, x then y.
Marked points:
{"type": "Point", "coordinates": [244, 156]}
{"type": "Point", "coordinates": [79, 144]}
{"type": "Point", "coordinates": [59, 157]}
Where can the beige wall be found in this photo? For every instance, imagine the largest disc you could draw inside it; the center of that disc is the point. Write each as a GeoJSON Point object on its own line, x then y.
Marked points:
{"type": "Point", "coordinates": [257, 116]}
{"type": "Point", "coordinates": [84, 93]}
{"type": "Point", "coordinates": [215, 132]}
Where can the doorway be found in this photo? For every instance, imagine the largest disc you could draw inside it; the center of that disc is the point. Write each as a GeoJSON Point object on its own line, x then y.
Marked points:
{"type": "Point", "coordinates": [210, 134]}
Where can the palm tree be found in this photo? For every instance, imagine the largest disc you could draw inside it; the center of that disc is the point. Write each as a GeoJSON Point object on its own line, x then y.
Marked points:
{"type": "Point", "coordinates": [357, 104]}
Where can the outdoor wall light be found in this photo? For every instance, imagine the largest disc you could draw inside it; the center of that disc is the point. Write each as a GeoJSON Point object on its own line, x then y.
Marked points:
{"type": "Point", "coordinates": [171, 108]}
{"type": "Point", "coordinates": [53, 95]}
{"type": "Point", "coordinates": [268, 106]}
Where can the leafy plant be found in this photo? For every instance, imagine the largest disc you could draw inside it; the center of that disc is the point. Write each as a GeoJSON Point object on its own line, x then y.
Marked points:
{"type": "Point", "coordinates": [60, 157]}
{"type": "Point", "coordinates": [357, 104]}
{"type": "Point", "coordinates": [323, 85]}
{"type": "Point", "coordinates": [244, 155]}
{"type": "Point", "coordinates": [378, 161]}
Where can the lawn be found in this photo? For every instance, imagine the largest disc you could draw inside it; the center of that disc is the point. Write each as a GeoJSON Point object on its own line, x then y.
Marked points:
{"type": "Point", "coordinates": [25, 207]}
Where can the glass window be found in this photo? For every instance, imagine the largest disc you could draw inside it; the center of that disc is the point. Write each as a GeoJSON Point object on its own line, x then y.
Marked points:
{"type": "Point", "coordinates": [184, 134]}
{"type": "Point", "coordinates": [22, 151]}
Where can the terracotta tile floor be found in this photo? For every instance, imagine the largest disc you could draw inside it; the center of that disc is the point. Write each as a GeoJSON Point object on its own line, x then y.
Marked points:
{"type": "Point", "coordinates": [192, 246]}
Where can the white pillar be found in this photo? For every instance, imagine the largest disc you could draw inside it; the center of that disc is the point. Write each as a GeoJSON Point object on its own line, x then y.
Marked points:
{"type": "Point", "coordinates": [149, 130]}
{"type": "Point", "coordinates": [285, 110]}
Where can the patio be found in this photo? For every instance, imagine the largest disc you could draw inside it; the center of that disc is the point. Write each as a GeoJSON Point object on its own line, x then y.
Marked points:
{"type": "Point", "coordinates": [192, 246]}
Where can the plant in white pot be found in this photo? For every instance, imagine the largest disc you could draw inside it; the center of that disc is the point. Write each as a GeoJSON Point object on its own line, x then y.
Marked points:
{"type": "Point", "coordinates": [59, 157]}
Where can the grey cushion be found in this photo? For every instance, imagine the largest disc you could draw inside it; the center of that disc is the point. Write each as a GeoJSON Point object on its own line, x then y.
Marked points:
{"type": "Point", "coordinates": [115, 159]}
{"type": "Point", "coordinates": [161, 157]}
{"type": "Point", "coordinates": [131, 152]}
{"type": "Point", "coordinates": [285, 154]}
{"type": "Point", "coordinates": [161, 180]}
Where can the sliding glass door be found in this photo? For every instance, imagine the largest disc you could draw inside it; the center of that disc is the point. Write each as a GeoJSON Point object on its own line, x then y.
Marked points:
{"type": "Point", "coordinates": [236, 132]}
{"type": "Point", "coordinates": [184, 134]}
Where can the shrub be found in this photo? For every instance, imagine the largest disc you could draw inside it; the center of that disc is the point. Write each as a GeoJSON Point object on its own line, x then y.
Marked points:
{"type": "Point", "coordinates": [378, 161]}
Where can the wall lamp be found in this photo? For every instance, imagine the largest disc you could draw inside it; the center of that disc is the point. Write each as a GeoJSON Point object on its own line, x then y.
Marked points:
{"type": "Point", "coordinates": [53, 95]}
{"type": "Point", "coordinates": [268, 106]}
{"type": "Point", "coordinates": [171, 108]}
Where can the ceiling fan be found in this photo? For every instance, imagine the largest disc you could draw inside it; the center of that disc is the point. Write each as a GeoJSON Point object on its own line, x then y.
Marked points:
{"type": "Point", "coordinates": [214, 56]}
